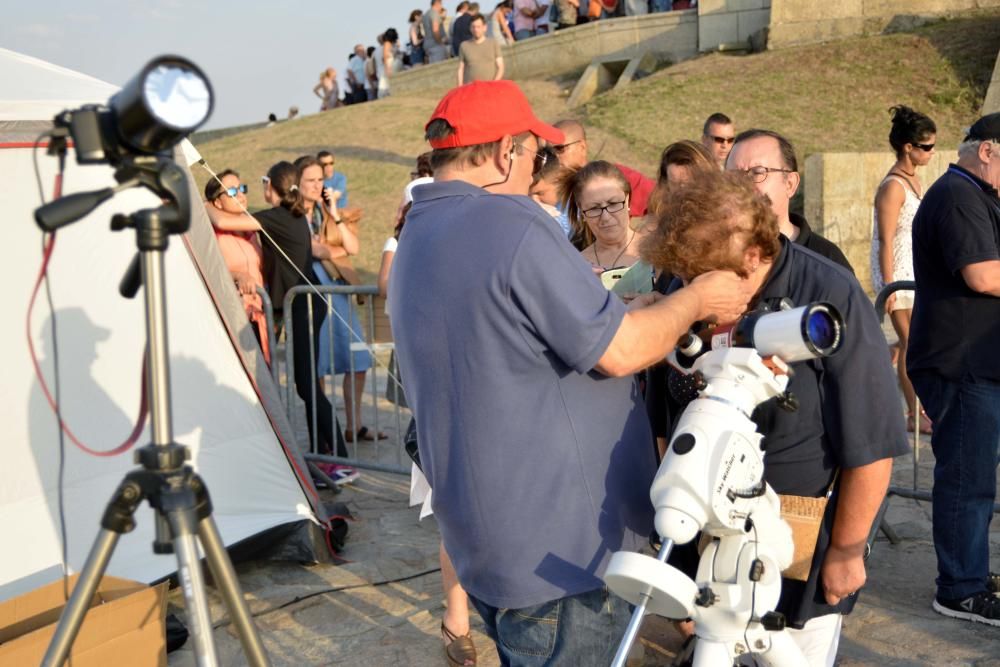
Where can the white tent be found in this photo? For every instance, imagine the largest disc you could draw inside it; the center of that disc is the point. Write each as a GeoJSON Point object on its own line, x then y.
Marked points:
{"type": "Point", "coordinates": [225, 405]}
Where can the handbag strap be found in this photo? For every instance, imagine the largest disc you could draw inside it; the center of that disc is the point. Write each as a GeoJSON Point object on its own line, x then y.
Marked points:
{"type": "Point", "coordinates": [833, 483]}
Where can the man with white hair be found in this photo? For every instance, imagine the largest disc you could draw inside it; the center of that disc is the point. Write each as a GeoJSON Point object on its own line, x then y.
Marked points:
{"type": "Point", "coordinates": [955, 369]}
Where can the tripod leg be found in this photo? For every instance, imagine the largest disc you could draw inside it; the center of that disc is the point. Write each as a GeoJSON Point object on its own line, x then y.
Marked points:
{"type": "Point", "coordinates": [79, 601]}
{"type": "Point", "coordinates": [192, 581]}
{"type": "Point", "coordinates": [225, 578]}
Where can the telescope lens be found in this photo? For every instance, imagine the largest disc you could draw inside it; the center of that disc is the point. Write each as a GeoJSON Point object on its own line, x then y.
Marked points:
{"type": "Point", "coordinates": [822, 330]}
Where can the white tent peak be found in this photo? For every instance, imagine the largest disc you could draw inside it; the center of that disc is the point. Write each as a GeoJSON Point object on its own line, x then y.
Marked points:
{"type": "Point", "coordinates": [34, 89]}
{"type": "Point", "coordinates": [225, 405]}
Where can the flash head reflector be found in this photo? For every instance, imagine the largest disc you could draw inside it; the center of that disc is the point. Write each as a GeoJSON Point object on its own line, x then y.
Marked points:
{"type": "Point", "coordinates": [161, 105]}
{"type": "Point", "coordinates": [167, 100]}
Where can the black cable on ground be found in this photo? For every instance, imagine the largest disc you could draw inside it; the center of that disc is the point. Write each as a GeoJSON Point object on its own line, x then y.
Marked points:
{"type": "Point", "coordinates": [302, 598]}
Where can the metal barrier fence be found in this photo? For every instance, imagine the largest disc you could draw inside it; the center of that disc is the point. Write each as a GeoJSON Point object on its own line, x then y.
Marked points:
{"type": "Point", "coordinates": [382, 455]}
{"type": "Point", "coordinates": [914, 492]}
{"type": "Point", "coordinates": [268, 309]}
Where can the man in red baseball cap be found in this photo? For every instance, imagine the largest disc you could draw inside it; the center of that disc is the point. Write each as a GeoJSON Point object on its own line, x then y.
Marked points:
{"type": "Point", "coordinates": [519, 370]}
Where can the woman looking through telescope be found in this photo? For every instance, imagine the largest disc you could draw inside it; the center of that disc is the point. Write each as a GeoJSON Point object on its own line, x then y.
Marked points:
{"type": "Point", "coordinates": [839, 440]}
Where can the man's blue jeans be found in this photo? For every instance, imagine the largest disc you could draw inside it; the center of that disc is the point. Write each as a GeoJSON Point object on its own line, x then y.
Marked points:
{"type": "Point", "coordinates": [575, 631]}
{"type": "Point", "coordinates": [966, 444]}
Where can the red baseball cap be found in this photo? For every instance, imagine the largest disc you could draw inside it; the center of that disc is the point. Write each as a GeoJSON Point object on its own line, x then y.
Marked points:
{"type": "Point", "coordinates": [485, 111]}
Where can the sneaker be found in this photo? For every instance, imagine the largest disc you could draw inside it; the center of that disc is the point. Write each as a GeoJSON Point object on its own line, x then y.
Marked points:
{"type": "Point", "coordinates": [983, 607]}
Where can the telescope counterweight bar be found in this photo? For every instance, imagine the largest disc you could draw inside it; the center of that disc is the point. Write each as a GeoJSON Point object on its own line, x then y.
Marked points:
{"type": "Point", "coordinates": [632, 631]}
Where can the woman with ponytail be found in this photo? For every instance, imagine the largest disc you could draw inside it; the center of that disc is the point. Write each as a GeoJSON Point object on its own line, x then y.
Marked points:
{"type": "Point", "coordinates": [912, 139]}
{"type": "Point", "coordinates": [289, 249]}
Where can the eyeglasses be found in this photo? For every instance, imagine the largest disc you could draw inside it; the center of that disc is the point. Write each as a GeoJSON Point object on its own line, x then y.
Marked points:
{"type": "Point", "coordinates": [540, 158]}
{"type": "Point", "coordinates": [561, 148]}
{"type": "Point", "coordinates": [927, 148]}
{"type": "Point", "coordinates": [722, 141]}
{"type": "Point", "coordinates": [232, 191]}
{"type": "Point", "coordinates": [759, 174]}
{"type": "Point", "coordinates": [597, 211]}
{"type": "Point", "coordinates": [326, 164]}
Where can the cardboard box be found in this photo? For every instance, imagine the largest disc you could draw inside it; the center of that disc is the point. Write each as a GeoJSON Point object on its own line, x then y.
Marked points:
{"type": "Point", "coordinates": [124, 626]}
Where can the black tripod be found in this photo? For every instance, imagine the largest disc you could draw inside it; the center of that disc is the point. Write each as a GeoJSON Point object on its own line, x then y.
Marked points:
{"type": "Point", "coordinates": [176, 493]}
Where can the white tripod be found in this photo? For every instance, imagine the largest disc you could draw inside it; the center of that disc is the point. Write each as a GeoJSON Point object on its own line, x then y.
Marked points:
{"type": "Point", "coordinates": [711, 480]}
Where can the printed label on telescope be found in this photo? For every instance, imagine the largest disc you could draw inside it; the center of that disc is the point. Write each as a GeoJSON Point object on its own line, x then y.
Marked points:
{"type": "Point", "coordinates": [720, 340]}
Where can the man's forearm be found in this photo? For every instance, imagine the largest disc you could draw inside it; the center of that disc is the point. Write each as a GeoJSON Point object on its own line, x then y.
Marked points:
{"type": "Point", "coordinates": [983, 277]}
{"type": "Point", "coordinates": [861, 493]}
{"type": "Point", "coordinates": [647, 335]}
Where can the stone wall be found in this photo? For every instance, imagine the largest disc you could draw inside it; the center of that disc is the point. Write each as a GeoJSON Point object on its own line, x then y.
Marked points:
{"type": "Point", "coordinates": [992, 102]}
{"type": "Point", "coordinates": [730, 22]}
{"type": "Point", "coordinates": [806, 21]}
{"type": "Point", "coordinates": [671, 35]}
{"type": "Point", "coordinates": [840, 194]}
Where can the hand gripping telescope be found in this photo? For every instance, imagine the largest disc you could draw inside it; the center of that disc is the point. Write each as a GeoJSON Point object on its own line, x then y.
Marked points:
{"type": "Point", "coordinates": [711, 480]}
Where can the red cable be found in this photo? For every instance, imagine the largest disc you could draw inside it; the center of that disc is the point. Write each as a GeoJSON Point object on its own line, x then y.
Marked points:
{"type": "Point", "coordinates": [140, 424]}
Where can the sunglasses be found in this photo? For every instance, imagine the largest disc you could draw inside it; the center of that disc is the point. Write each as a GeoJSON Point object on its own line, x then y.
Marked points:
{"type": "Point", "coordinates": [927, 148]}
{"type": "Point", "coordinates": [232, 191]}
{"type": "Point", "coordinates": [264, 180]}
{"type": "Point", "coordinates": [539, 161]}
{"type": "Point", "coordinates": [722, 141]}
{"type": "Point", "coordinates": [561, 148]}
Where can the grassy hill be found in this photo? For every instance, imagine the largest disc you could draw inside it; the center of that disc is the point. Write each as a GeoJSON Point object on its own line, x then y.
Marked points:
{"type": "Point", "coordinates": [829, 97]}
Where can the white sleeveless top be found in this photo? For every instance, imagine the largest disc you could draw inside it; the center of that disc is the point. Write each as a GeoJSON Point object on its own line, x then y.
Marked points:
{"type": "Point", "coordinates": [902, 246]}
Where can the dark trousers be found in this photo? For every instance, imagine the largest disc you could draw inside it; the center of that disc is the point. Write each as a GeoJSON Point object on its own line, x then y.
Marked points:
{"type": "Point", "coordinates": [966, 444]}
{"type": "Point", "coordinates": [306, 382]}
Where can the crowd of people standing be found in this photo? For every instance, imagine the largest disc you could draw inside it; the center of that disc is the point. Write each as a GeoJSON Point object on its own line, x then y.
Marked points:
{"type": "Point", "coordinates": [714, 234]}
{"type": "Point", "coordinates": [524, 220]}
{"type": "Point", "coordinates": [433, 35]}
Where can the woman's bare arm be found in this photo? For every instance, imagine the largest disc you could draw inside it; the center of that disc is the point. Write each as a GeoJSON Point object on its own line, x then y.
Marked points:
{"type": "Point", "coordinates": [888, 203]}
{"type": "Point", "coordinates": [231, 222]}
{"type": "Point", "coordinates": [383, 272]}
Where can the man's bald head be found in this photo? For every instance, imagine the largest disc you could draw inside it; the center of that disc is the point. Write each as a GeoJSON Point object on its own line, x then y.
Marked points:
{"type": "Point", "coordinates": [572, 153]}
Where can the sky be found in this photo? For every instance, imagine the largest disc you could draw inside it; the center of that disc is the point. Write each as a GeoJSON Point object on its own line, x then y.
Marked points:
{"type": "Point", "coordinates": [261, 57]}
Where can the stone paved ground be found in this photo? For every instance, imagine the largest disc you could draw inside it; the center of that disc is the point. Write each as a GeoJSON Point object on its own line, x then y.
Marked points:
{"type": "Point", "coordinates": [384, 606]}
{"type": "Point", "coordinates": [370, 621]}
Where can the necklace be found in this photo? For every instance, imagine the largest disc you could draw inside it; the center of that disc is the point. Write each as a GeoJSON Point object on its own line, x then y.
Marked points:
{"type": "Point", "coordinates": [615, 262]}
{"type": "Point", "coordinates": [911, 174]}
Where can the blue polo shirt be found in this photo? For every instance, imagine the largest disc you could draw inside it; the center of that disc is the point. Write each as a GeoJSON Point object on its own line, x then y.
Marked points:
{"type": "Point", "coordinates": [338, 182]}
{"type": "Point", "coordinates": [540, 466]}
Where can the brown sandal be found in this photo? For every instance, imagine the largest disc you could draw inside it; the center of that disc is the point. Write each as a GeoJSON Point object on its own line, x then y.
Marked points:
{"type": "Point", "coordinates": [459, 651]}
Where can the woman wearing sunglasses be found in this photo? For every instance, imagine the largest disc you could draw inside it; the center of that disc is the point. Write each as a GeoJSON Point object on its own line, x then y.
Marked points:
{"type": "Point", "coordinates": [236, 234]}
{"type": "Point", "coordinates": [597, 198]}
{"type": "Point", "coordinates": [912, 139]}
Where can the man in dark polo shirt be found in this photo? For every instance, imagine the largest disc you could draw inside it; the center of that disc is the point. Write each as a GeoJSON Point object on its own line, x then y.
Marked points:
{"type": "Point", "coordinates": [847, 428]}
{"type": "Point", "coordinates": [518, 368]}
{"type": "Point", "coordinates": [460, 26]}
{"type": "Point", "coordinates": [770, 160]}
{"type": "Point", "coordinates": [953, 360]}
